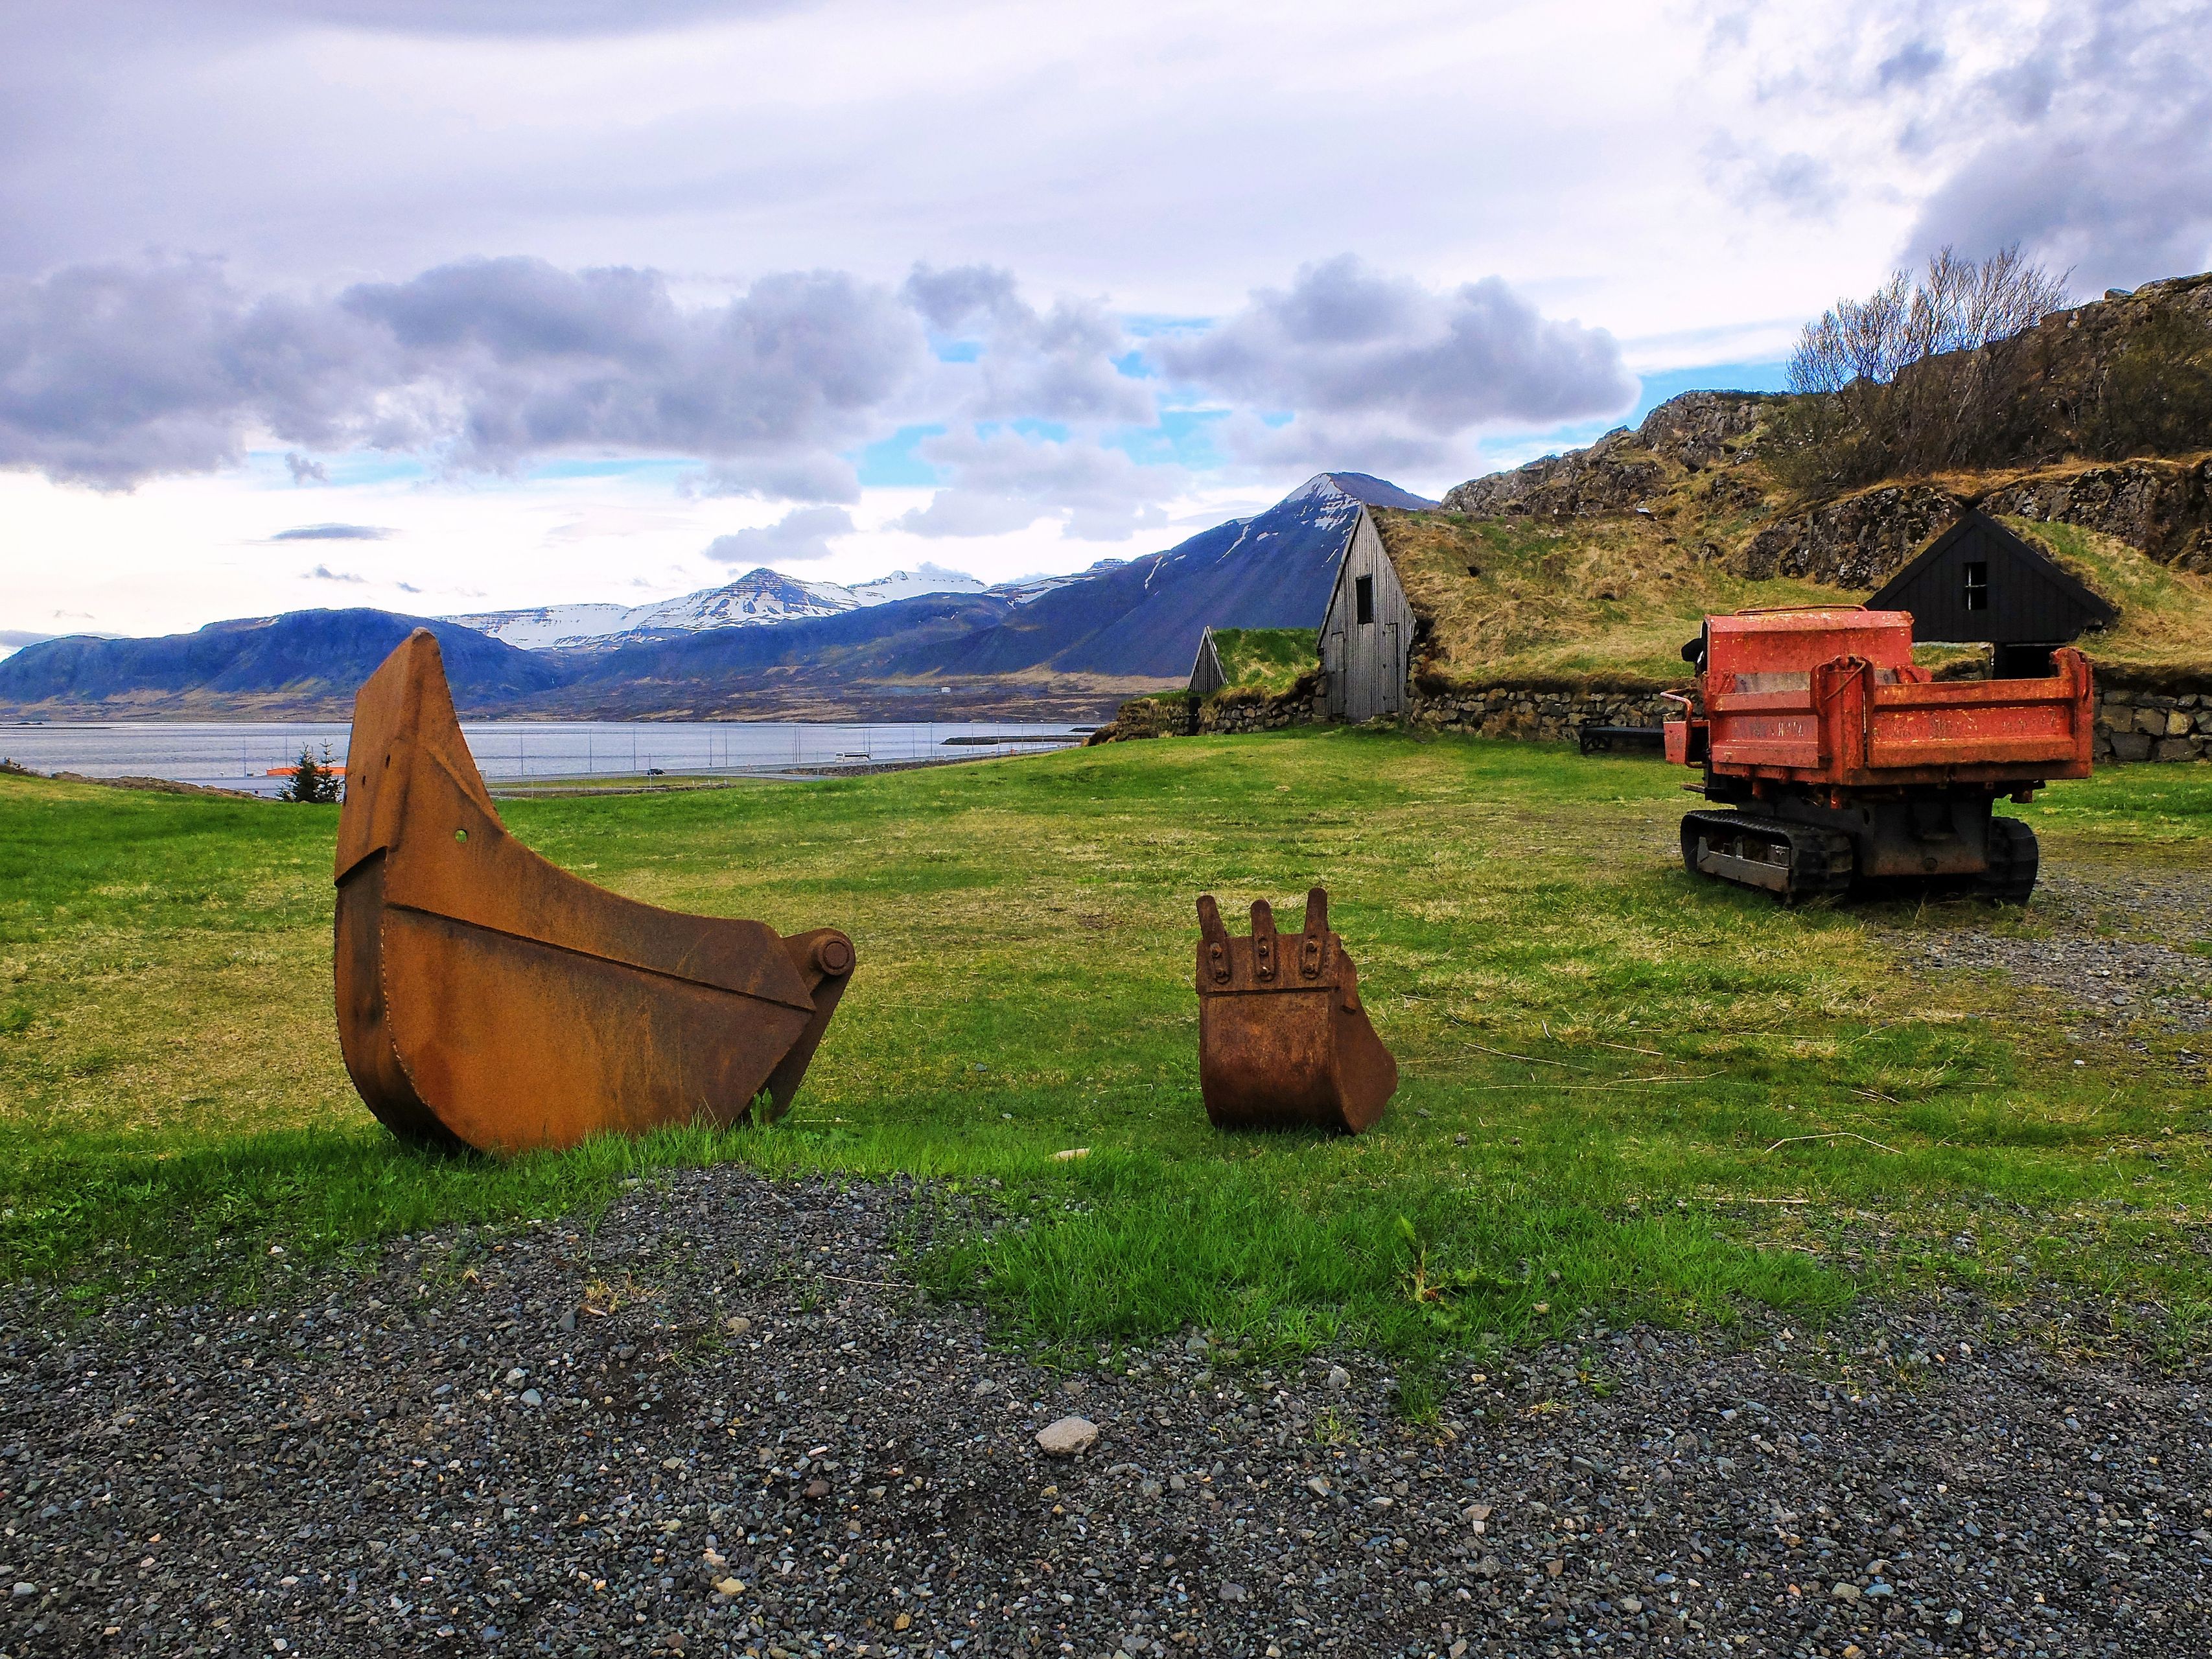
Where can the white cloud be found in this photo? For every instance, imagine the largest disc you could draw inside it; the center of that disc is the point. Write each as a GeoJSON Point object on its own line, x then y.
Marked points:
{"type": "Point", "coordinates": [110, 375]}
{"type": "Point", "coordinates": [1055, 365]}
{"type": "Point", "coordinates": [737, 226]}
{"type": "Point", "coordinates": [1346, 339]}
{"type": "Point", "coordinates": [1004, 480]}
{"type": "Point", "coordinates": [2075, 130]}
{"type": "Point", "coordinates": [800, 536]}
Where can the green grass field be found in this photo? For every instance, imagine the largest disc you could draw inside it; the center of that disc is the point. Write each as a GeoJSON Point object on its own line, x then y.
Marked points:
{"type": "Point", "coordinates": [1267, 659]}
{"type": "Point", "coordinates": [1677, 1101]}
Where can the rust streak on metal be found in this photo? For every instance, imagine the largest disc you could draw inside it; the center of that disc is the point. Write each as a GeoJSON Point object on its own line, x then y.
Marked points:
{"type": "Point", "coordinates": [1282, 1040]}
{"type": "Point", "coordinates": [488, 999]}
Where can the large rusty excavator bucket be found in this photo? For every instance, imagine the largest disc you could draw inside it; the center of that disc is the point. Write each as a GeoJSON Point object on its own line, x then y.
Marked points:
{"type": "Point", "coordinates": [488, 999]}
{"type": "Point", "coordinates": [1283, 1043]}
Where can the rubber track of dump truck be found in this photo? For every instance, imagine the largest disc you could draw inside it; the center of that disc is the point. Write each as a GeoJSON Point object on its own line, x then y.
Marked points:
{"type": "Point", "coordinates": [2015, 861]}
{"type": "Point", "coordinates": [1740, 848]}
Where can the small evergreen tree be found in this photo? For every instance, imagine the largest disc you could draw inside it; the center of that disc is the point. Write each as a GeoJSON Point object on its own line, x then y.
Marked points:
{"type": "Point", "coordinates": [311, 779]}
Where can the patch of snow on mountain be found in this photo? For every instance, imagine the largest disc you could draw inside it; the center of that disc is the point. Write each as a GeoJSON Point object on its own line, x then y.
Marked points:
{"type": "Point", "coordinates": [757, 597]}
{"type": "Point", "coordinates": [913, 584]}
{"type": "Point", "coordinates": [1023, 589]}
{"type": "Point", "coordinates": [548, 626]}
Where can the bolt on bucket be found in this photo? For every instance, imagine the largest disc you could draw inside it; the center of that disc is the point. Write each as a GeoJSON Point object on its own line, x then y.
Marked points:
{"type": "Point", "coordinates": [1283, 1043]}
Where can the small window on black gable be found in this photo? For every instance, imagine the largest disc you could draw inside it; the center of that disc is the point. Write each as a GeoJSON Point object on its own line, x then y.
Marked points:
{"type": "Point", "coordinates": [1976, 593]}
{"type": "Point", "coordinates": [1363, 598]}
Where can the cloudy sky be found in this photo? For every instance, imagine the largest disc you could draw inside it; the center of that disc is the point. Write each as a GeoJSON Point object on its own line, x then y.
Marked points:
{"type": "Point", "coordinates": [445, 304]}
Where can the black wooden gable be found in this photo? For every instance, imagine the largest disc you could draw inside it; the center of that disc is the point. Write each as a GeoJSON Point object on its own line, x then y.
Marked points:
{"type": "Point", "coordinates": [1979, 582]}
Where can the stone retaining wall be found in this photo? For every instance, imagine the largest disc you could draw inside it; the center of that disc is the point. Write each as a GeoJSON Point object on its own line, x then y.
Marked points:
{"type": "Point", "coordinates": [2132, 724]}
{"type": "Point", "coordinates": [1231, 712]}
{"type": "Point", "coordinates": [2153, 726]}
{"type": "Point", "coordinates": [1542, 714]}
{"type": "Point", "coordinates": [1225, 712]}
{"type": "Point", "coordinates": [1545, 715]}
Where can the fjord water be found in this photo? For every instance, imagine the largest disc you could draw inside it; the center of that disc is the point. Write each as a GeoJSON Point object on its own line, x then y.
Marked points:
{"type": "Point", "coordinates": [240, 754]}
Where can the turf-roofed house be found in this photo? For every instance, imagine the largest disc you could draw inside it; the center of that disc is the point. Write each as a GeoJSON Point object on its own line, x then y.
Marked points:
{"type": "Point", "coordinates": [1979, 584]}
{"type": "Point", "coordinates": [1367, 633]}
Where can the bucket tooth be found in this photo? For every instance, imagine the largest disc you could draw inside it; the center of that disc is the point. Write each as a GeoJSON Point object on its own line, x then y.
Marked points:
{"type": "Point", "coordinates": [488, 999]}
{"type": "Point", "coordinates": [1286, 1045]}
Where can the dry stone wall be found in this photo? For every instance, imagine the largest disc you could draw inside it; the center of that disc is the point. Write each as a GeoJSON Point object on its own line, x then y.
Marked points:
{"type": "Point", "coordinates": [1191, 717]}
{"type": "Point", "coordinates": [1539, 713]}
{"type": "Point", "coordinates": [1303, 706]}
{"type": "Point", "coordinates": [1543, 714]}
{"type": "Point", "coordinates": [2135, 723]}
{"type": "Point", "coordinates": [2153, 726]}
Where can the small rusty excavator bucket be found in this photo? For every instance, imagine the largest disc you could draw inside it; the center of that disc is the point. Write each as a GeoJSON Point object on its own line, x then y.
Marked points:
{"type": "Point", "coordinates": [1283, 1043]}
{"type": "Point", "coordinates": [489, 999]}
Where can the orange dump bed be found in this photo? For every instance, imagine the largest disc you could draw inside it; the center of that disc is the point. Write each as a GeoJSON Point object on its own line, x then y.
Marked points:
{"type": "Point", "coordinates": [1832, 697]}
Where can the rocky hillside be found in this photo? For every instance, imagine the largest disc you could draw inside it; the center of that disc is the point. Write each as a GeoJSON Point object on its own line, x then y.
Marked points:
{"type": "Point", "coordinates": [1588, 559]}
{"type": "Point", "coordinates": [1698, 433]}
{"type": "Point", "coordinates": [2078, 383]}
{"type": "Point", "coordinates": [2161, 508]}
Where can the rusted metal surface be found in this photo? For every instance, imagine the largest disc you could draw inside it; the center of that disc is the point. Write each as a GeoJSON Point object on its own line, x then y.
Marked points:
{"type": "Point", "coordinates": [487, 998]}
{"type": "Point", "coordinates": [1848, 763]}
{"type": "Point", "coordinates": [1832, 697]}
{"type": "Point", "coordinates": [1283, 1043]}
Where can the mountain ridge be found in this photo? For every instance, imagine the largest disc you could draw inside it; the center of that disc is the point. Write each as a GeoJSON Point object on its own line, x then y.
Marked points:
{"type": "Point", "coordinates": [1044, 647]}
{"type": "Point", "coordinates": [760, 597]}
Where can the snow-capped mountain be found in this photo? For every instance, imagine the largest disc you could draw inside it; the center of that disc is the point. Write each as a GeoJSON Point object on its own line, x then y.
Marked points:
{"type": "Point", "coordinates": [1023, 589]}
{"type": "Point", "coordinates": [1144, 617]}
{"type": "Point", "coordinates": [912, 584]}
{"type": "Point", "coordinates": [755, 597]}
{"type": "Point", "coordinates": [872, 645]}
{"type": "Point", "coordinates": [1281, 561]}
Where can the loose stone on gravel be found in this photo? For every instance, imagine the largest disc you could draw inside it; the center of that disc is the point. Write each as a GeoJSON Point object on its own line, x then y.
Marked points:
{"type": "Point", "coordinates": [1068, 1437]}
{"type": "Point", "coordinates": [368, 1484]}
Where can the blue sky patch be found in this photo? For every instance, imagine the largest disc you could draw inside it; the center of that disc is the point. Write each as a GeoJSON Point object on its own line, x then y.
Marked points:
{"type": "Point", "coordinates": [1184, 437]}
{"type": "Point", "coordinates": [1148, 326]}
{"type": "Point", "coordinates": [892, 463]}
{"type": "Point", "coordinates": [1710, 377]}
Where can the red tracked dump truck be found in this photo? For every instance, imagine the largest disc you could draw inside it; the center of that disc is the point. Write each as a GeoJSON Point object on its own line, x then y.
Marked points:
{"type": "Point", "coordinates": [1844, 762]}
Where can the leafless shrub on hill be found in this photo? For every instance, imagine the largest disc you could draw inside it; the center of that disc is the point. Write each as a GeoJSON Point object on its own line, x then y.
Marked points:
{"type": "Point", "coordinates": [2156, 397]}
{"type": "Point", "coordinates": [1896, 382]}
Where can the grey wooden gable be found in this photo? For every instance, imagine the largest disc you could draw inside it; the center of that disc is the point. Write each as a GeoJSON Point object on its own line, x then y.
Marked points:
{"type": "Point", "coordinates": [1367, 631]}
{"type": "Point", "coordinates": [1207, 674]}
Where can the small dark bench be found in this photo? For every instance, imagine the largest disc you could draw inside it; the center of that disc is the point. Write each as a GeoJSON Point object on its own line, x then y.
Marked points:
{"type": "Point", "coordinates": [1604, 739]}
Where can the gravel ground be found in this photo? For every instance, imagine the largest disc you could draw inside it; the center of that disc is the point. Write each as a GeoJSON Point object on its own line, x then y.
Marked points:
{"type": "Point", "coordinates": [2114, 953]}
{"type": "Point", "coordinates": [722, 1422]}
